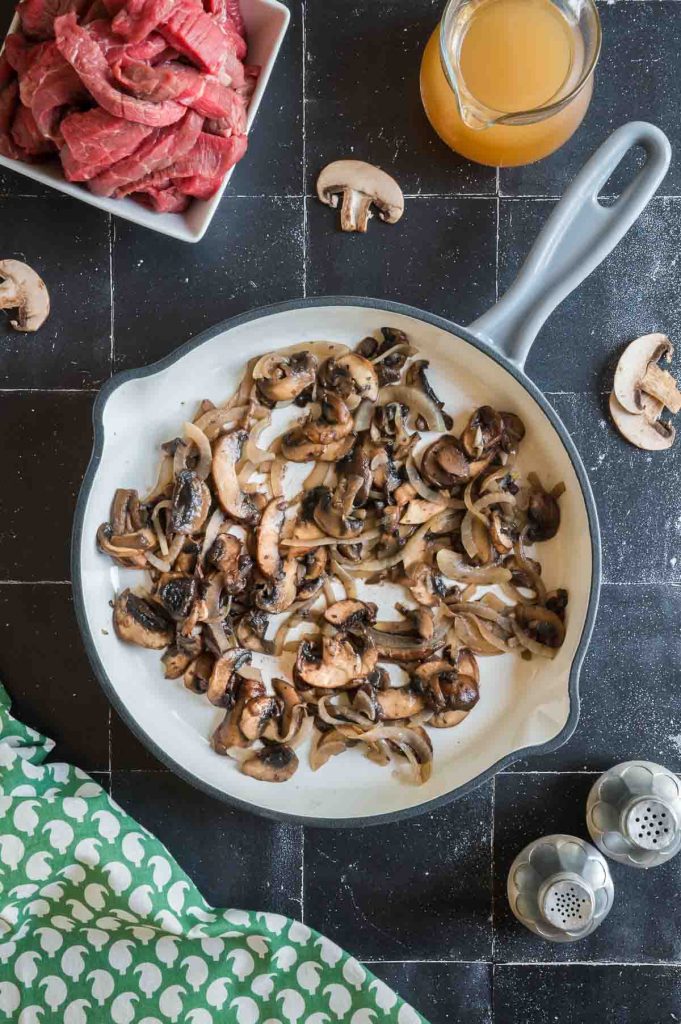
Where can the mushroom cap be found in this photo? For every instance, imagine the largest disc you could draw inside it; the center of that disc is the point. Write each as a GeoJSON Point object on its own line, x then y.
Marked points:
{"type": "Point", "coordinates": [277, 593]}
{"type": "Point", "coordinates": [350, 612]}
{"type": "Point", "coordinates": [631, 369]}
{"type": "Point", "coordinates": [191, 503]}
{"type": "Point", "coordinates": [327, 665]}
{"type": "Point", "coordinates": [360, 372]}
{"type": "Point", "coordinates": [25, 291]}
{"type": "Point", "coordinates": [444, 463]}
{"type": "Point", "coordinates": [267, 549]}
{"type": "Point", "coordinates": [224, 678]}
{"type": "Point", "coordinates": [651, 435]}
{"type": "Point", "coordinates": [275, 763]}
{"type": "Point", "coordinates": [281, 378]}
{"type": "Point", "coordinates": [399, 702]}
{"type": "Point", "coordinates": [140, 620]}
{"type": "Point", "coordinates": [360, 176]}
{"type": "Point", "coordinates": [226, 454]}
{"type": "Point", "coordinates": [296, 447]}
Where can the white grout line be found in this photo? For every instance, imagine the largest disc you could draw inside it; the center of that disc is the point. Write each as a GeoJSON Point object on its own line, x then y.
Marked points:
{"type": "Point", "coordinates": [532, 197]}
{"type": "Point", "coordinates": [446, 195]}
{"type": "Point", "coordinates": [269, 195]}
{"type": "Point", "coordinates": [370, 960]}
{"type": "Point", "coordinates": [304, 141]}
{"type": "Point", "coordinates": [675, 965]}
{"type": "Point", "coordinates": [591, 963]}
{"type": "Point", "coordinates": [506, 197]}
{"type": "Point", "coordinates": [48, 391]}
{"type": "Point", "coordinates": [496, 250]}
{"type": "Point", "coordinates": [491, 862]}
{"type": "Point", "coordinates": [574, 394]}
{"type": "Point", "coordinates": [577, 771]}
{"type": "Point", "coordinates": [302, 874]}
{"type": "Point", "coordinates": [33, 583]}
{"type": "Point", "coordinates": [640, 583]}
{"type": "Point", "coordinates": [112, 347]}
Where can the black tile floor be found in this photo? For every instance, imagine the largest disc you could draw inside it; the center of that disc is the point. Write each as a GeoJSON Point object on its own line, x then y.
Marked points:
{"type": "Point", "coordinates": [422, 903]}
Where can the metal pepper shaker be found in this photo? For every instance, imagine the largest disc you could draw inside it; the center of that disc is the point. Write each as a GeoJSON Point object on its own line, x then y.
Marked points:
{"type": "Point", "coordinates": [633, 814]}
{"type": "Point", "coordinates": [560, 888]}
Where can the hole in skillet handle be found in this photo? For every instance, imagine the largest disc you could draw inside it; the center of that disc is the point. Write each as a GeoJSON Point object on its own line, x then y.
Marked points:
{"type": "Point", "coordinates": [626, 170]}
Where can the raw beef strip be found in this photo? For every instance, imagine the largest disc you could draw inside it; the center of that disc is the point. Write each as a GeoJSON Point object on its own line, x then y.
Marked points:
{"type": "Point", "coordinates": [234, 11]}
{"type": "Point", "coordinates": [97, 11]}
{"type": "Point", "coordinates": [27, 135]}
{"type": "Point", "coordinates": [199, 173]}
{"type": "Point", "coordinates": [6, 71]}
{"type": "Point", "coordinates": [220, 9]}
{"type": "Point", "coordinates": [85, 56]}
{"type": "Point", "coordinates": [21, 53]}
{"type": "Point", "coordinates": [233, 123]}
{"type": "Point", "coordinates": [115, 50]}
{"type": "Point", "coordinates": [251, 76]}
{"type": "Point", "coordinates": [140, 17]}
{"type": "Point", "coordinates": [37, 16]}
{"type": "Point", "coordinates": [48, 86]}
{"type": "Point", "coordinates": [38, 65]}
{"type": "Point", "coordinates": [58, 93]}
{"type": "Point", "coordinates": [9, 101]}
{"type": "Point", "coordinates": [163, 200]}
{"type": "Point", "coordinates": [157, 152]}
{"type": "Point", "coordinates": [113, 7]}
{"type": "Point", "coordinates": [227, 11]}
{"type": "Point", "coordinates": [95, 140]}
{"type": "Point", "coordinates": [199, 37]}
{"type": "Point", "coordinates": [202, 171]}
{"type": "Point", "coordinates": [175, 81]}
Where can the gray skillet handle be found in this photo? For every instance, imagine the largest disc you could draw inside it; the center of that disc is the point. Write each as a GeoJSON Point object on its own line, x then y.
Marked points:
{"type": "Point", "coordinates": [578, 235]}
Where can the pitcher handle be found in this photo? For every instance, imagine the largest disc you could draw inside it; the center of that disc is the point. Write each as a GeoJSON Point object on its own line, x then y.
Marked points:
{"type": "Point", "coordinates": [578, 236]}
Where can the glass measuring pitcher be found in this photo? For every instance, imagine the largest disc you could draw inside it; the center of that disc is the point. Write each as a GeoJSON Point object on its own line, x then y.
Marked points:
{"type": "Point", "coordinates": [506, 82]}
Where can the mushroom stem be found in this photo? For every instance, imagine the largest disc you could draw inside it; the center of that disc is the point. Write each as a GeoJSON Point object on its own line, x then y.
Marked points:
{"type": "Point", "coordinates": [355, 211]}
{"type": "Point", "coordinates": [661, 385]}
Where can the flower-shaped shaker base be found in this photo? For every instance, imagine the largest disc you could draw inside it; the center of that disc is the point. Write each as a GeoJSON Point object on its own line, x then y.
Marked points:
{"type": "Point", "coordinates": [633, 814]}
{"type": "Point", "coordinates": [560, 888]}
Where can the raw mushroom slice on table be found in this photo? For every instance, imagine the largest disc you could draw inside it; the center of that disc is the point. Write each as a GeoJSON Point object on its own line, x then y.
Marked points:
{"type": "Point", "coordinates": [362, 186]}
{"type": "Point", "coordinates": [249, 571]}
{"type": "Point", "coordinates": [642, 390]}
{"type": "Point", "coordinates": [24, 291]}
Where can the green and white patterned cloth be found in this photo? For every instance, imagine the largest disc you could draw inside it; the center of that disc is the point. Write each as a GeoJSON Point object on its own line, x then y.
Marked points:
{"type": "Point", "coordinates": [99, 924]}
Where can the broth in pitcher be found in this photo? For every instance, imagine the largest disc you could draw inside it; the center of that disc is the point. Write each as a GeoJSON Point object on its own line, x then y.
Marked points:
{"type": "Point", "coordinates": [508, 81]}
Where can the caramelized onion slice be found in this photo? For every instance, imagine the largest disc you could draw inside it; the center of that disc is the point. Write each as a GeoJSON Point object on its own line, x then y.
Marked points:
{"type": "Point", "coordinates": [415, 401]}
{"type": "Point", "coordinates": [197, 436]}
{"type": "Point", "coordinates": [452, 565]}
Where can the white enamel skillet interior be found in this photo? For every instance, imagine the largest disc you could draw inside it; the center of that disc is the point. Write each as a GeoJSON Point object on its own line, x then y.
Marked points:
{"type": "Point", "coordinates": [524, 706]}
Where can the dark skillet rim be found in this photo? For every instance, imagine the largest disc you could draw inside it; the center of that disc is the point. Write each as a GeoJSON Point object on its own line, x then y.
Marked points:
{"type": "Point", "coordinates": [320, 302]}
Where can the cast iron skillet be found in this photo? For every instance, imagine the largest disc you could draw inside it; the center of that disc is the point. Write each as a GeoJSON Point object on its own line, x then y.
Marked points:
{"type": "Point", "coordinates": [525, 707]}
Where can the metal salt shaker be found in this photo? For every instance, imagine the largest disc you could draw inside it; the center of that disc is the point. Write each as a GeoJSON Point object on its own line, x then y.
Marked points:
{"type": "Point", "coordinates": [633, 814]}
{"type": "Point", "coordinates": [560, 888]}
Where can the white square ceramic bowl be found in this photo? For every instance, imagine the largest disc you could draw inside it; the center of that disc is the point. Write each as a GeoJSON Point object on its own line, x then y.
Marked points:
{"type": "Point", "coordinates": [266, 24]}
